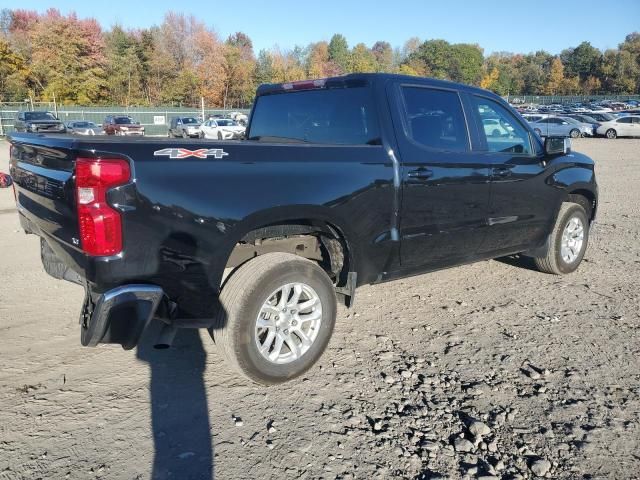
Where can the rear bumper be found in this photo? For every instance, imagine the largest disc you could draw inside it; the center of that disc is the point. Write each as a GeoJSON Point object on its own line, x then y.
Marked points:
{"type": "Point", "coordinates": [119, 315]}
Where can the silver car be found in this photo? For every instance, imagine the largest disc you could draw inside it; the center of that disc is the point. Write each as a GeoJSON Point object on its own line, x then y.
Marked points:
{"type": "Point", "coordinates": [558, 127]}
{"type": "Point", "coordinates": [82, 127]}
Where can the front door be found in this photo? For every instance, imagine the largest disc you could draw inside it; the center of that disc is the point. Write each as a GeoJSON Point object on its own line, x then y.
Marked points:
{"type": "Point", "coordinates": [445, 190]}
{"type": "Point", "coordinates": [522, 205]}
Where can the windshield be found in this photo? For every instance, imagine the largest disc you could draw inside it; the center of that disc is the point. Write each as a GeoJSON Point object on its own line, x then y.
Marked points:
{"type": "Point", "coordinates": [190, 121]}
{"type": "Point", "coordinates": [123, 120]}
{"type": "Point", "coordinates": [83, 125]}
{"type": "Point", "coordinates": [226, 123]}
{"type": "Point", "coordinates": [331, 116]}
{"type": "Point", "coordinates": [39, 116]}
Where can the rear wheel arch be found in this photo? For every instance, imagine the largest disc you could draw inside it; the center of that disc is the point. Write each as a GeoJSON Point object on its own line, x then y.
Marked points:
{"type": "Point", "coordinates": [284, 235]}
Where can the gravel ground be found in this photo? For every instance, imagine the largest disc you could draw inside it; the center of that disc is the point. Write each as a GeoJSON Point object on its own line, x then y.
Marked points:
{"type": "Point", "coordinates": [482, 371]}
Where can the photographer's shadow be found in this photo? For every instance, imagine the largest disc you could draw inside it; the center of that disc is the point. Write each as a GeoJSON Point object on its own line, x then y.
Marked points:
{"type": "Point", "coordinates": [179, 410]}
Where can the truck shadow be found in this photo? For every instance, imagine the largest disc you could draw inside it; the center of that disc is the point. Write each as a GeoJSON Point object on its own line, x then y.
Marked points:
{"type": "Point", "coordinates": [179, 411]}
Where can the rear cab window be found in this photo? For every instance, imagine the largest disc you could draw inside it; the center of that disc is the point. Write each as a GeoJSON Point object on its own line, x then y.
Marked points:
{"type": "Point", "coordinates": [342, 116]}
{"type": "Point", "coordinates": [435, 118]}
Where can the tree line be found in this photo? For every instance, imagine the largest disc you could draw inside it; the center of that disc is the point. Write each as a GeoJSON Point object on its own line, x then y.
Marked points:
{"type": "Point", "coordinates": [43, 55]}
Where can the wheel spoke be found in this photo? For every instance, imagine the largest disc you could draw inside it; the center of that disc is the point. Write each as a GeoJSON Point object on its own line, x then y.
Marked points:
{"type": "Point", "coordinates": [284, 298]}
{"type": "Point", "coordinates": [277, 348]}
{"type": "Point", "coordinates": [265, 322]}
{"type": "Point", "coordinates": [315, 315]}
{"type": "Point", "coordinates": [297, 291]}
{"type": "Point", "coordinates": [264, 349]}
{"type": "Point", "coordinates": [293, 346]}
{"type": "Point", "coordinates": [308, 304]}
{"type": "Point", "coordinates": [306, 341]}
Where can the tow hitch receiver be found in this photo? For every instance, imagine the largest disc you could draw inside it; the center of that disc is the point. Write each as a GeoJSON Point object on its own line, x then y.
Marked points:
{"type": "Point", "coordinates": [119, 315]}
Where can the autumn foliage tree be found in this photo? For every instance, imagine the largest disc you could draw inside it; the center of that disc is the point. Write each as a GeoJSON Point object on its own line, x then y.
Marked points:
{"type": "Point", "coordinates": [182, 61]}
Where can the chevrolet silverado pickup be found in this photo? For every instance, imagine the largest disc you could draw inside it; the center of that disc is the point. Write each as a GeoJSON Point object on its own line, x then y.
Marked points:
{"type": "Point", "coordinates": [339, 183]}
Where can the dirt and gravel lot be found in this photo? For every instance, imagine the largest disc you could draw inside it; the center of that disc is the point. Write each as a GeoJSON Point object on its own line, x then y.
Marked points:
{"type": "Point", "coordinates": [488, 370]}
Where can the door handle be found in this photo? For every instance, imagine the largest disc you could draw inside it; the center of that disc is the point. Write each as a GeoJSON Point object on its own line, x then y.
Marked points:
{"type": "Point", "coordinates": [420, 174]}
{"type": "Point", "coordinates": [502, 171]}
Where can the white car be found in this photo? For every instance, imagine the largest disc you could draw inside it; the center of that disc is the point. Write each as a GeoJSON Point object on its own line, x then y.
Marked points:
{"type": "Point", "coordinates": [239, 117]}
{"type": "Point", "coordinates": [222, 129]}
{"type": "Point", "coordinates": [628, 126]}
{"type": "Point", "coordinates": [494, 128]}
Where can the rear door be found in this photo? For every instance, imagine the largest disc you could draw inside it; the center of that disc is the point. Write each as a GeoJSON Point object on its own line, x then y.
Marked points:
{"type": "Point", "coordinates": [522, 206]}
{"type": "Point", "coordinates": [624, 126]}
{"type": "Point", "coordinates": [445, 190]}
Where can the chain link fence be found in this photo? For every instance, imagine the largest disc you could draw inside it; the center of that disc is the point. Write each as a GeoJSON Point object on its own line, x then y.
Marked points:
{"type": "Point", "coordinates": [154, 119]}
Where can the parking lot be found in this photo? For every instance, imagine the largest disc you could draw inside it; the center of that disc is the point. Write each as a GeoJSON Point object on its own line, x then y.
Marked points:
{"type": "Point", "coordinates": [549, 365]}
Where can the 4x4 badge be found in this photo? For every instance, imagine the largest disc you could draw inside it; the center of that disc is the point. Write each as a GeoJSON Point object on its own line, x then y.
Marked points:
{"type": "Point", "coordinates": [185, 153]}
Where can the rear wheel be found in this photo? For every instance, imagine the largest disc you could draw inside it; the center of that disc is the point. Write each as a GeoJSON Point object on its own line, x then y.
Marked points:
{"type": "Point", "coordinates": [276, 317]}
{"type": "Point", "coordinates": [567, 242]}
{"type": "Point", "coordinates": [611, 133]}
{"type": "Point", "coordinates": [574, 133]}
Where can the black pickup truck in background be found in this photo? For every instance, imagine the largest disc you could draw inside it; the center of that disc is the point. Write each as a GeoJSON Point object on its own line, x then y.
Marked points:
{"type": "Point", "coordinates": [341, 182]}
{"type": "Point", "coordinates": [38, 122]}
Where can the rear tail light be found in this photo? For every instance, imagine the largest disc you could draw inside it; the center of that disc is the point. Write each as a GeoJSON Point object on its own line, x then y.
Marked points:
{"type": "Point", "coordinates": [100, 224]}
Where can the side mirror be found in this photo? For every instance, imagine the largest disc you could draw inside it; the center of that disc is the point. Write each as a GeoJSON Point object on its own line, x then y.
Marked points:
{"type": "Point", "coordinates": [5, 180]}
{"type": "Point", "coordinates": [557, 145]}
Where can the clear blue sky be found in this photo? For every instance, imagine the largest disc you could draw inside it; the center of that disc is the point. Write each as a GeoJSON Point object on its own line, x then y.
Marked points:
{"type": "Point", "coordinates": [497, 25]}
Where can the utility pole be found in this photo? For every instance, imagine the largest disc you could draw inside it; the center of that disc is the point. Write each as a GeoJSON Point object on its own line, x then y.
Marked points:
{"type": "Point", "coordinates": [202, 108]}
{"type": "Point", "coordinates": [55, 105]}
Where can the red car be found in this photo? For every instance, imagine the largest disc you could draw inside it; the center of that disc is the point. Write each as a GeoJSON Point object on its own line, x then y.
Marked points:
{"type": "Point", "coordinates": [122, 125]}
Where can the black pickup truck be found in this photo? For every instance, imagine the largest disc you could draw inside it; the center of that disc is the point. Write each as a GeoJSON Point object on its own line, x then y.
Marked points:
{"type": "Point", "coordinates": [341, 182]}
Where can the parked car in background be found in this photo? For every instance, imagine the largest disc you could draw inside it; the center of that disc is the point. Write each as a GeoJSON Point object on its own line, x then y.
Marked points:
{"type": "Point", "coordinates": [222, 129]}
{"type": "Point", "coordinates": [495, 128]}
{"type": "Point", "coordinates": [556, 127]}
{"type": "Point", "coordinates": [38, 122]}
{"type": "Point", "coordinates": [602, 116]}
{"type": "Point", "coordinates": [628, 126]}
{"type": "Point", "coordinates": [586, 129]}
{"type": "Point", "coordinates": [239, 117]}
{"type": "Point", "coordinates": [122, 125]}
{"type": "Point", "coordinates": [185, 127]}
{"type": "Point", "coordinates": [83, 127]}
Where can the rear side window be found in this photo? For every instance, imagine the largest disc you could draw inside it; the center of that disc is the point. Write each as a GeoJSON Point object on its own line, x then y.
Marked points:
{"type": "Point", "coordinates": [625, 120]}
{"type": "Point", "coordinates": [435, 118]}
{"type": "Point", "coordinates": [344, 116]}
{"type": "Point", "coordinates": [502, 130]}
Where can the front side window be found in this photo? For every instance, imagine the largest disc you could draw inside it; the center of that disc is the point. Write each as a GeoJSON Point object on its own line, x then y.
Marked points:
{"type": "Point", "coordinates": [435, 118]}
{"type": "Point", "coordinates": [502, 130]}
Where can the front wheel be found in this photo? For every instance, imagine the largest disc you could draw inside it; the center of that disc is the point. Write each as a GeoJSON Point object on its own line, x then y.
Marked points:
{"type": "Point", "coordinates": [219, 135]}
{"type": "Point", "coordinates": [538, 132]}
{"type": "Point", "coordinates": [184, 134]}
{"type": "Point", "coordinates": [611, 133]}
{"type": "Point", "coordinates": [574, 133]}
{"type": "Point", "coordinates": [567, 242]}
{"type": "Point", "coordinates": [277, 314]}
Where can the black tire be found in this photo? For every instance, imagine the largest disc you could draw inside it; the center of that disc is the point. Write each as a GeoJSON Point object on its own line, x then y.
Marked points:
{"type": "Point", "coordinates": [241, 300]}
{"type": "Point", "coordinates": [611, 133]}
{"type": "Point", "coordinates": [200, 134]}
{"type": "Point", "coordinates": [219, 136]}
{"type": "Point", "coordinates": [184, 134]}
{"type": "Point", "coordinates": [553, 262]}
{"type": "Point", "coordinates": [538, 131]}
{"type": "Point", "coordinates": [574, 133]}
{"type": "Point", "coordinates": [495, 133]}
